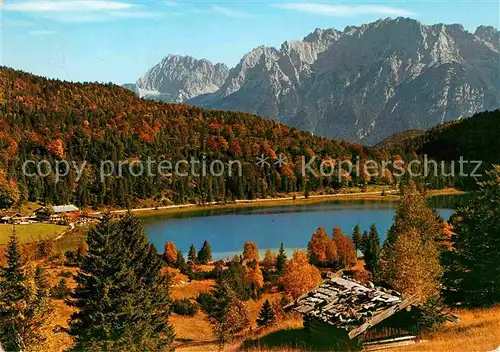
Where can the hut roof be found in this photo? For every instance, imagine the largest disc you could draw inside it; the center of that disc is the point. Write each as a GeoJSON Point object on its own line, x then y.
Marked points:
{"type": "Point", "coordinates": [349, 305]}
{"type": "Point", "coordinates": [64, 208]}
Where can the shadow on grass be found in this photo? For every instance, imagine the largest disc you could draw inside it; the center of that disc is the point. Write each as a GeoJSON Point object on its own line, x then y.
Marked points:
{"type": "Point", "coordinates": [298, 339]}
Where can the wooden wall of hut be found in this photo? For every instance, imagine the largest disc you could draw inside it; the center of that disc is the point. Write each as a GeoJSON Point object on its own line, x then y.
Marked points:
{"type": "Point", "coordinates": [329, 338]}
{"type": "Point", "coordinates": [402, 323]}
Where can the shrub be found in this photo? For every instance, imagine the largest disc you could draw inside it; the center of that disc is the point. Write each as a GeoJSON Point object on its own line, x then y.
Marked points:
{"type": "Point", "coordinates": [66, 274]}
{"type": "Point", "coordinates": [60, 291]}
{"type": "Point", "coordinates": [206, 301]}
{"type": "Point", "coordinates": [185, 307]}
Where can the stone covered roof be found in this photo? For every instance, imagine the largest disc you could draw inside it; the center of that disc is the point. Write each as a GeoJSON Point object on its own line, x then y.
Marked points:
{"type": "Point", "coordinates": [349, 305]}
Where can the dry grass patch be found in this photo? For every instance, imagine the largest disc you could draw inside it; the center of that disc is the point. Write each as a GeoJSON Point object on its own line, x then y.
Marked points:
{"type": "Point", "coordinates": [31, 232]}
{"type": "Point", "coordinates": [478, 330]}
{"type": "Point", "coordinates": [191, 289]}
{"type": "Point", "coordinates": [195, 328]}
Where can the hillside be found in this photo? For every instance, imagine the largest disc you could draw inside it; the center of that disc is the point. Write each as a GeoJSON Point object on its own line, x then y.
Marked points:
{"type": "Point", "coordinates": [52, 120]}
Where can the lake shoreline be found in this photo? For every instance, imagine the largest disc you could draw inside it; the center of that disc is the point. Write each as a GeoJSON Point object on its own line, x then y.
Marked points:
{"type": "Point", "coordinates": [391, 195]}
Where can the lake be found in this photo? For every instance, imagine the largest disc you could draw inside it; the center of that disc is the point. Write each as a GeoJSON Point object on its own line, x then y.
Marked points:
{"type": "Point", "coordinates": [228, 229]}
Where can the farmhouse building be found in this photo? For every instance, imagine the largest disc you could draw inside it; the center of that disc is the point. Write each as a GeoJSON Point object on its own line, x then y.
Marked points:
{"type": "Point", "coordinates": [10, 217]}
{"type": "Point", "coordinates": [55, 213]}
{"type": "Point", "coordinates": [352, 315]}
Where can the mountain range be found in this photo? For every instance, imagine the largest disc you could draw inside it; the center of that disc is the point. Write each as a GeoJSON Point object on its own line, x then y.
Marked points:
{"type": "Point", "coordinates": [361, 84]}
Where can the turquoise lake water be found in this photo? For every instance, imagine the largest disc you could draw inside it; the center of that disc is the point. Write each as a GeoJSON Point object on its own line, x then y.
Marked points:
{"type": "Point", "coordinates": [228, 229]}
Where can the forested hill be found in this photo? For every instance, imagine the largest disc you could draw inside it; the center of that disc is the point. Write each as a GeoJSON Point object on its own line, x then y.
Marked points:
{"type": "Point", "coordinates": [44, 119]}
{"type": "Point", "coordinates": [474, 138]}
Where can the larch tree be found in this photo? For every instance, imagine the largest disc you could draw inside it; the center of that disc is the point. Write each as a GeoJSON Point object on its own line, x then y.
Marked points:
{"type": "Point", "coordinates": [251, 252]}
{"type": "Point", "coordinates": [170, 253]}
{"type": "Point", "coordinates": [122, 297]}
{"type": "Point", "coordinates": [413, 266]}
{"type": "Point", "coordinates": [269, 259]}
{"type": "Point", "coordinates": [346, 253]}
{"type": "Point", "coordinates": [254, 278]}
{"type": "Point", "coordinates": [321, 248]}
{"type": "Point", "coordinates": [472, 266]}
{"type": "Point", "coordinates": [416, 235]}
{"type": "Point", "coordinates": [299, 276]}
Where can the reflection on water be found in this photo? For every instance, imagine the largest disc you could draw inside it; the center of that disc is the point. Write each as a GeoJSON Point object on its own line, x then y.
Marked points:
{"type": "Point", "coordinates": [227, 229]}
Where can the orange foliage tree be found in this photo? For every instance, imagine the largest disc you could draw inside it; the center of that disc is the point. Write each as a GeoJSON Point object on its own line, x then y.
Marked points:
{"type": "Point", "coordinates": [299, 276]}
{"type": "Point", "coordinates": [170, 253]}
{"type": "Point", "coordinates": [269, 259]}
{"type": "Point", "coordinates": [345, 248]}
{"type": "Point", "coordinates": [251, 252]}
{"type": "Point", "coordinates": [321, 249]}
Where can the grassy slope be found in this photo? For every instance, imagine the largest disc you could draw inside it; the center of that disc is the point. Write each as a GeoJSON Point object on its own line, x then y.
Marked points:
{"type": "Point", "coordinates": [31, 232]}
{"type": "Point", "coordinates": [479, 330]}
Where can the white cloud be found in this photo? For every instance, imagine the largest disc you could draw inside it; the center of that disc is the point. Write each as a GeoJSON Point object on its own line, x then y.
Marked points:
{"type": "Point", "coordinates": [232, 13]}
{"type": "Point", "coordinates": [42, 32]}
{"type": "Point", "coordinates": [81, 11]}
{"type": "Point", "coordinates": [344, 10]}
{"type": "Point", "coordinates": [67, 5]}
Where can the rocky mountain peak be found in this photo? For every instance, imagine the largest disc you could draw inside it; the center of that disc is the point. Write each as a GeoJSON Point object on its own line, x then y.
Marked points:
{"type": "Point", "coordinates": [177, 78]}
{"type": "Point", "coordinates": [360, 84]}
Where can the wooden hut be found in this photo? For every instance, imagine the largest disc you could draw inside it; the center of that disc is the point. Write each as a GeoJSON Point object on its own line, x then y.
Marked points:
{"type": "Point", "coordinates": [353, 316]}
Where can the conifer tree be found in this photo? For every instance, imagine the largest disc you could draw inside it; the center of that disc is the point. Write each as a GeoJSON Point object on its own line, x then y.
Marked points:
{"type": "Point", "coordinates": [25, 308]}
{"type": "Point", "coordinates": [281, 259]}
{"type": "Point", "coordinates": [205, 253]}
{"type": "Point", "coordinates": [472, 267]}
{"type": "Point", "coordinates": [122, 297]}
{"type": "Point", "coordinates": [228, 315]}
{"type": "Point", "coordinates": [180, 261]}
{"type": "Point", "coordinates": [357, 238]}
{"type": "Point", "coordinates": [371, 252]}
{"type": "Point", "coordinates": [192, 254]}
{"type": "Point", "coordinates": [266, 315]}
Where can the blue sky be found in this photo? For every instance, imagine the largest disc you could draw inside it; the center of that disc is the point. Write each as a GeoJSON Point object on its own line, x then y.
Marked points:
{"type": "Point", "coordinates": [118, 40]}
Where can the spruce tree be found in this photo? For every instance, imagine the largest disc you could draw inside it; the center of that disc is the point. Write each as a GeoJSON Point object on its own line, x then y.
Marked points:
{"type": "Point", "coordinates": [122, 297]}
{"type": "Point", "coordinates": [12, 292]}
{"type": "Point", "coordinates": [25, 308]}
{"type": "Point", "coordinates": [357, 238]}
{"type": "Point", "coordinates": [472, 267]}
{"type": "Point", "coordinates": [228, 314]}
{"type": "Point", "coordinates": [192, 255]}
{"type": "Point", "coordinates": [180, 262]}
{"type": "Point", "coordinates": [281, 259]}
{"type": "Point", "coordinates": [205, 253]}
{"type": "Point", "coordinates": [372, 250]}
{"type": "Point", "coordinates": [266, 315]}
